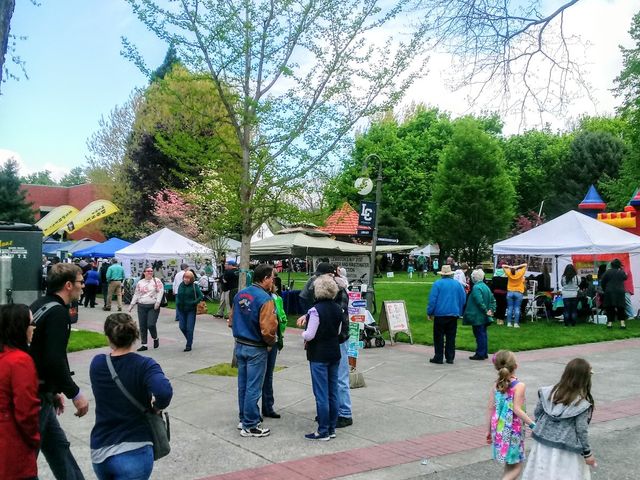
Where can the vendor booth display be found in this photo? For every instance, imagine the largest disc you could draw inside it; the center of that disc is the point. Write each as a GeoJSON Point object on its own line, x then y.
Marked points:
{"type": "Point", "coordinates": [583, 241]}
{"type": "Point", "coordinates": [165, 245]}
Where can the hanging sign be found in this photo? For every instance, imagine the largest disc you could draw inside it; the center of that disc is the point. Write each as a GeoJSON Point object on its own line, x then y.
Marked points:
{"type": "Point", "coordinates": [394, 319]}
{"type": "Point", "coordinates": [367, 215]}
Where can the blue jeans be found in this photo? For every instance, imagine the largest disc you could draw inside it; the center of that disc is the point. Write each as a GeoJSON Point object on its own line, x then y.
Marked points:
{"type": "Point", "coordinates": [133, 465]}
{"type": "Point", "coordinates": [482, 344]}
{"type": "Point", "coordinates": [570, 311]}
{"type": "Point", "coordinates": [187, 323]}
{"type": "Point", "coordinates": [324, 379]}
{"type": "Point", "coordinates": [54, 444]}
{"type": "Point", "coordinates": [252, 365]}
{"type": "Point", "coordinates": [267, 386]}
{"type": "Point", "coordinates": [344, 394]}
{"type": "Point", "coordinates": [514, 300]}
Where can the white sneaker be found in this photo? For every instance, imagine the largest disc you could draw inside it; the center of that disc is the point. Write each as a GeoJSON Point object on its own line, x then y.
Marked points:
{"type": "Point", "coordinates": [239, 427]}
{"type": "Point", "coordinates": [517, 325]}
{"type": "Point", "coordinates": [509, 324]}
{"type": "Point", "coordinates": [255, 432]}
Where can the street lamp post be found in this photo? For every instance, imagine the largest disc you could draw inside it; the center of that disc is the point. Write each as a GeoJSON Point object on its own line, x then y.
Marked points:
{"type": "Point", "coordinates": [372, 266]}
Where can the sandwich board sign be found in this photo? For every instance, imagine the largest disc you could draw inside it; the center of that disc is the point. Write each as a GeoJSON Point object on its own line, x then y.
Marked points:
{"type": "Point", "coordinates": [394, 319]}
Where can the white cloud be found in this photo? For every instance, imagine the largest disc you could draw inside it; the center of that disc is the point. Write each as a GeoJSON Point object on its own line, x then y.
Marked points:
{"type": "Point", "coordinates": [57, 171]}
{"type": "Point", "coordinates": [603, 24]}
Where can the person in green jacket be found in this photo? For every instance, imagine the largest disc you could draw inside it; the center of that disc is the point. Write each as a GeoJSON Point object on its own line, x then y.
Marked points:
{"type": "Point", "coordinates": [479, 313]}
{"type": "Point", "coordinates": [267, 386]}
{"type": "Point", "coordinates": [187, 299]}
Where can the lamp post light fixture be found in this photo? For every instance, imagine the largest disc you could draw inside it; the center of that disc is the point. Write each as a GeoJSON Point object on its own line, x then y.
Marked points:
{"type": "Point", "coordinates": [364, 186]}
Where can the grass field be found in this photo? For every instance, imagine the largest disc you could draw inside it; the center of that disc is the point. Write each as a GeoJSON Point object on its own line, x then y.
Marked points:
{"type": "Point", "coordinates": [531, 336]}
{"type": "Point", "coordinates": [85, 340]}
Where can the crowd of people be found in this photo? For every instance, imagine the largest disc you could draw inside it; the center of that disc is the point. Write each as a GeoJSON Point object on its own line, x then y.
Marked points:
{"type": "Point", "coordinates": [35, 376]}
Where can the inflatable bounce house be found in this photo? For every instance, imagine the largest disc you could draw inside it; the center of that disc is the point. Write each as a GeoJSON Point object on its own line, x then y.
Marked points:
{"type": "Point", "coordinates": [594, 206]}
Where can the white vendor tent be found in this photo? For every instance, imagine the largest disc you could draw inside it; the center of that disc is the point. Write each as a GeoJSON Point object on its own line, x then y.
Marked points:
{"type": "Point", "coordinates": [575, 234]}
{"type": "Point", "coordinates": [427, 250]}
{"type": "Point", "coordinates": [165, 244]}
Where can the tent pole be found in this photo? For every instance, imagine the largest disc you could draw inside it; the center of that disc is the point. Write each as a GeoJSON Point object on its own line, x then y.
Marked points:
{"type": "Point", "coordinates": [557, 281]}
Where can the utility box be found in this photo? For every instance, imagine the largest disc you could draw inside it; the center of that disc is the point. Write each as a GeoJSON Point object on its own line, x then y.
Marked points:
{"type": "Point", "coordinates": [20, 262]}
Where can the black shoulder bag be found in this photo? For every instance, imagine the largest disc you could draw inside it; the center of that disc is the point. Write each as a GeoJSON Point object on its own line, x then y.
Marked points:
{"type": "Point", "coordinates": [159, 425]}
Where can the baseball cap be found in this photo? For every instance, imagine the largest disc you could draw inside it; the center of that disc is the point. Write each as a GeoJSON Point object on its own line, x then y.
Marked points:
{"type": "Point", "coordinates": [324, 268]}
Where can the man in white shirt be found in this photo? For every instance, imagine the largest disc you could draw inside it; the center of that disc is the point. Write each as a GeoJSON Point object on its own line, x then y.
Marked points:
{"type": "Point", "coordinates": [460, 275]}
{"type": "Point", "coordinates": [177, 280]}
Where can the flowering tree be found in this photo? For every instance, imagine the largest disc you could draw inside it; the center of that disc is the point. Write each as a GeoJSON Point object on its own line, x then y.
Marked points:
{"type": "Point", "coordinates": [173, 211]}
{"type": "Point", "coordinates": [524, 223]}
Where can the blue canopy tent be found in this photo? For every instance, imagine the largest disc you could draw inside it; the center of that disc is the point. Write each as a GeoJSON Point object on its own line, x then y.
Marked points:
{"type": "Point", "coordinates": [103, 250]}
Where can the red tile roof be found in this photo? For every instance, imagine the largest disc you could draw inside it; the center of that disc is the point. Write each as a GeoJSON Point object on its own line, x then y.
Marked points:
{"type": "Point", "coordinates": [343, 221]}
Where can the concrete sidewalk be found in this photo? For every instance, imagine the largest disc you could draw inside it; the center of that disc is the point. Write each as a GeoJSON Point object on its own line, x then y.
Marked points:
{"type": "Point", "coordinates": [409, 410]}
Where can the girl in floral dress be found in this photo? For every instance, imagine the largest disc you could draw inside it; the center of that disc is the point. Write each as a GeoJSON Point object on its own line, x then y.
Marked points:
{"type": "Point", "coordinates": [507, 417]}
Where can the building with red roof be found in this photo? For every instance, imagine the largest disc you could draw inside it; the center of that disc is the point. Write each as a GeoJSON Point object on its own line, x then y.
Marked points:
{"type": "Point", "coordinates": [344, 223]}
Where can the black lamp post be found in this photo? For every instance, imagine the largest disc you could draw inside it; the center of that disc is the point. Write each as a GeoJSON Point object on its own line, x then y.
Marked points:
{"type": "Point", "coordinates": [372, 266]}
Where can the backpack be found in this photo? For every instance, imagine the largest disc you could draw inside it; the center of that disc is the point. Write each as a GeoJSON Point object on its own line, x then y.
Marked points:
{"type": "Point", "coordinates": [38, 314]}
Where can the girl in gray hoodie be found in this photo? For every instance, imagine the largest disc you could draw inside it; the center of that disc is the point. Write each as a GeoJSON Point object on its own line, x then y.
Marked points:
{"type": "Point", "coordinates": [561, 450]}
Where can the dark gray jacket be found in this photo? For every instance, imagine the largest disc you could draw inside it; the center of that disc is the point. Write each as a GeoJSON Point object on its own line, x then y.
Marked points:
{"type": "Point", "coordinates": [562, 426]}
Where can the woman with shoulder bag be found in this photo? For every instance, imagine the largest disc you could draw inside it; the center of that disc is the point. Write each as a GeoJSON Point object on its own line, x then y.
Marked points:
{"type": "Point", "coordinates": [121, 439]}
{"type": "Point", "coordinates": [187, 300]}
{"type": "Point", "coordinates": [147, 296]}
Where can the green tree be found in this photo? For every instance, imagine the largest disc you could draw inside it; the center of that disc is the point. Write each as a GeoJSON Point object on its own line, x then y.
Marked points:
{"type": "Point", "coordinates": [472, 203]}
{"type": "Point", "coordinates": [294, 79]}
{"type": "Point", "coordinates": [77, 176]}
{"type": "Point", "coordinates": [592, 156]}
{"type": "Point", "coordinates": [533, 159]}
{"type": "Point", "coordinates": [42, 177]}
{"type": "Point", "coordinates": [409, 150]}
{"type": "Point", "coordinates": [15, 207]}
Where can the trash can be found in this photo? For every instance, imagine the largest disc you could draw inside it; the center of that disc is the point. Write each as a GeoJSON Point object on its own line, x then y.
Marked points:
{"type": "Point", "coordinates": [21, 264]}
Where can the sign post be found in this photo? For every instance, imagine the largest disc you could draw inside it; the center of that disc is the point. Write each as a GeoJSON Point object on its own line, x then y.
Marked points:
{"type": "Point", "coordinates": [394, 319]}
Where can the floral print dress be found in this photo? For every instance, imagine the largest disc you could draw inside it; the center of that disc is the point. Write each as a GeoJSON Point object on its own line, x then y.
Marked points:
{"type": "Point", "coordinates": [507, 429]}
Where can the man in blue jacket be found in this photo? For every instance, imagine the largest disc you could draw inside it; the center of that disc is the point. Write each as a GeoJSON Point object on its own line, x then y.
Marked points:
{"type": "Point", "coordinates": [446, 304]}
{"type": "Point", "coordinates": [254, 323]}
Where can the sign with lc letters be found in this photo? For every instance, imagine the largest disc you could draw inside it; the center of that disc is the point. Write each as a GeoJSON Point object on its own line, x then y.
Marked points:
{"type": "Point", "coordinates": [367, 216]}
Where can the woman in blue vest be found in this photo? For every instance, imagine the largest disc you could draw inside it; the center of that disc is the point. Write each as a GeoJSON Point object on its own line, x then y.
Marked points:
{"type": "Point", "coordinates": [323, 353]}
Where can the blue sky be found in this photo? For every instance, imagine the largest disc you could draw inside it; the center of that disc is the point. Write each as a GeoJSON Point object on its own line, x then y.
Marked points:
{"type": "Point", "coordinates": [76, 74]}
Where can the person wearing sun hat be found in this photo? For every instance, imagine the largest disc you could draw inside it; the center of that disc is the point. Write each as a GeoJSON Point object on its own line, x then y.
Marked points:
{"type": "Point", "coordinates": [446, 305]}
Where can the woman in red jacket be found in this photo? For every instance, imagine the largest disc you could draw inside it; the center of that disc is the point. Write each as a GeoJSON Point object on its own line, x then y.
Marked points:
{"type": "Point", "coordinates": [19, 402]}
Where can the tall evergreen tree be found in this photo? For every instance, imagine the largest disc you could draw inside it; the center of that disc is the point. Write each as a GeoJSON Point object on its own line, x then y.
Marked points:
{"type": "Point", "coordinates": [472, 202]}
{"type": "Point", "coordinates": [15, 207]}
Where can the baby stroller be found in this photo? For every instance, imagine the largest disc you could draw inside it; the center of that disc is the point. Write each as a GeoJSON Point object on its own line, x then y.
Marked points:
{"type": "Point", "coordinates": [371, 333]}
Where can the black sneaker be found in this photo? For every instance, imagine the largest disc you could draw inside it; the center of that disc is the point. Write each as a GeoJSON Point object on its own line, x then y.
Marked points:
{"type": "Point", "coordinates": [156, 342]}
{"type": "Point", "coordinates": [143, 348]}
{"type": "Point", "coordinates": [255, 432]}
{"type": "Point", "coordinates": [344, 422]}
{"type": "Point", "coordinates": [272, 415]}
{"type": "Point", "coordinates": [317, 436]}
{"type": "Point", "coordinates": [434, 360]}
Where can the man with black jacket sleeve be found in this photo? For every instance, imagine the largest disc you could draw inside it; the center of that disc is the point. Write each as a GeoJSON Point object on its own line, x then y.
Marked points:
{"type": "Point", "coordinates": [49, 352]}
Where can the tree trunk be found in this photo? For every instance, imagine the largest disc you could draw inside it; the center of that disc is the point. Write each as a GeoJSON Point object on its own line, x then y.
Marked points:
{"type": "Point", "coordinates": [6, 12]}
{"type": "Point", "coordinates": [247, 212]}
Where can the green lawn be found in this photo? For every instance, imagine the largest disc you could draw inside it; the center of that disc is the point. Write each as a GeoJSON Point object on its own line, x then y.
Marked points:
{"type": "Point", "coordinates": [531, 336]}
{"type": "Point", "coordinates": [86, 340]}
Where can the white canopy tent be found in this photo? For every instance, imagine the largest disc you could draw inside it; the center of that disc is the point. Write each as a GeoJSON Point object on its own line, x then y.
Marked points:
{"type": "Point", "coordinates": [575, 234]}
{"type": "Point", "coordinates": [165, 244]}
{"type": "Point", "coordinates": [427, 250]}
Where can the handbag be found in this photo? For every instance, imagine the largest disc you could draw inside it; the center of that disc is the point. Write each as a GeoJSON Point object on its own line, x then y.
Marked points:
{"type": "Point", "coordinates": [163, 300]}
{"type": "Point", "coordinates": [158, 423]}
{"type": "Point", "coordinates": [558, 302]}
{"type": "Point", "coordinates": [201, 308]}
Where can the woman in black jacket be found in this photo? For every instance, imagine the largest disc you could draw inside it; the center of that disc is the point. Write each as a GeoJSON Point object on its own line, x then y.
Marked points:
{"type": "Point", "coordinates": [612, 284]}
